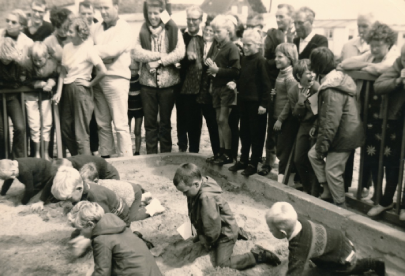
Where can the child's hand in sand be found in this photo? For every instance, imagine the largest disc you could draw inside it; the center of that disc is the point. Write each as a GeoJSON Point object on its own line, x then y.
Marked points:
{"type": "Point", "coordinates": [39, 206]}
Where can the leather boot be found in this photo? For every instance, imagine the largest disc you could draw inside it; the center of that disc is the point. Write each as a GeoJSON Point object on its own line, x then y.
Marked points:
{"type": "Point", "coordinates": [35, 149]}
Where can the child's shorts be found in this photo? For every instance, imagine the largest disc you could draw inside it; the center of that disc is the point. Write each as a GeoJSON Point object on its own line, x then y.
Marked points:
{"type": "Point", "coordinates": [223, 97]}
{"type": "Point", "coordinates": [135, 106]}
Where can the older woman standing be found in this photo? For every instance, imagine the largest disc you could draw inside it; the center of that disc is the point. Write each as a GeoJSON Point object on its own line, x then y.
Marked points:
{"type": "Point", "coordinates": [381, 56]}
{"type": "Point", "coordinates": [158, 47]}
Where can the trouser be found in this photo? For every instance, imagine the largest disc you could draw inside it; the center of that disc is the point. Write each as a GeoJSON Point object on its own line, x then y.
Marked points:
{"type": "Point", "coordinates": [285, 142]}
{"type": "Point", "coordinates": [154, 101]}
{"type": "Point", "coordinates": [209, 113]}
{"type": "Point", "coordinates": [76, 110]}
{"type": "Point", "coordinates": [270, 142]}
{"type": "Point", "coordinates": [252, 131]}
{"type": "Point", "coordinates": [331, 172]}
{"type": "Point", "coordinates": [302, 164]}
{"type": "Point", "coordinates": [233, 122]}
{"type": "Point", "coordinates": [93, 133]}
{"type": "Point", "coordinates": [14, 111]}
{"type": "Point", "coordinates": [135, 211]}
{"type": "Point", "coordinates": [34, 120]}
{"type": "Point", "coordinates": [391, 182]}
{"type": "Point", "coordinates": [189, 122]}
{"type": "Point", "coordinates": [224, 258]}
{"type": "Point", "coordinates": [348, 176]}
{"type": "Point", "coordinates": [111, 105]}
{"type": "Point", "coordinates": [111, 172]}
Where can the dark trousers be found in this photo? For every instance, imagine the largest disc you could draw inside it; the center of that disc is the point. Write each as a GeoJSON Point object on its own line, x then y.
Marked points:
{"type": "Point", "coordinates": [189, 122]}
{"type": "Point", "coordinates": [224, 258]}
{"type": "Point", "coordinates": [93, 134]}
{"type": "Point", "coordinates": [285, 142]}
{"type": "Point", "coordinates": [391, 178]}
{"type": "Point", "coordinates": [302, 164]}
{"type": "Point", "coordinates": [154, 101]}
{"type": "Point", "coordinates": [209, 113]}
{"type": "Point", "coordinates": [348, 175]}
{"type": "Point", "coordinates": [233, 122]}
{"type": "Point", "coordinates": [77, 108]}
{"type": "Point", "coordinates": [252, 131]}
{"type": "Point", "coordinates": [270, 142]}
{"type": "Point", "coordinates": [14, 111]}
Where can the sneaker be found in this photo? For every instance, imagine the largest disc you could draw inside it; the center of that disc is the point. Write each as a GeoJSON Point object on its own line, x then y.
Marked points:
{"type": "Point", "coordinates": [378, 209]}
{"type": "Point", "coordinates": [222, 160]}
{"type": "Point", "coordinates": [239, 165]}
{"type": "Point", "coordinates": [249, 170]}
{"type": "Point", "coordinates": [265, 256]}
{"type": "Point", "coordinates": [402, 215]}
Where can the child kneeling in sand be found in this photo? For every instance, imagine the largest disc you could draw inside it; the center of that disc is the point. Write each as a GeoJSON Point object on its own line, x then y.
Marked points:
{"type": "Point", "coordinates": [213, 219]}
{"type": "Point", "coordinates": [116, 250]}
{"type": "Point", "coordinates": [327, 248]}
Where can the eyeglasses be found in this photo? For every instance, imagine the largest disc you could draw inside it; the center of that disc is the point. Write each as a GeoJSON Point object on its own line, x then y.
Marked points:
{"type": "Point", "coordinates": [194, 20]}
{"type": "Point", "coordinates": [12, 21]}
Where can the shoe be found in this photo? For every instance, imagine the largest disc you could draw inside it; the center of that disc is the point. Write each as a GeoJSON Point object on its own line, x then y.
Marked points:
{"type": "Point", "coordinates": [402, 215]}
{"type": "Point", "coordinates": [378, 209]}
{"type": "Point", "coordinates": [341, 205]}
{"type": "Point", "coordinates": [239, 165]}
{"type": "Point", "coordinates": [265, 256]}
{"type": "Point", "coordinates": [136, 153]}
{"type": "Point", "coordinates": [222, 160]}
{"type": "Point", "coordinates": [326, 195]}
{"type": "Point", "coordinates": [212, 158]}
{"type": "Point", "coordinates": [265, 170]}
{"type": "Point", "coordinates": [379, 267]}
{"type": "Point", "coordinates": [249, 170]}
{"type": "Point", "coordinates": [365, 193]}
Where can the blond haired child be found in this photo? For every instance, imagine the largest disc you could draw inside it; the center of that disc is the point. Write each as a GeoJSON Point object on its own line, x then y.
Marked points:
{"type": "Point", "coordinates": [254, 87]}
{"type": "Point", "coordinates": [224, 67]}
{"type": "Point", "coordinates": [214, 221]}
{"type": "Point", "coordinates": [44, 74]}
{"type": "Point", "coordinates": [116, 250]}
{"type": "Point", "coordinates": [327, 248]}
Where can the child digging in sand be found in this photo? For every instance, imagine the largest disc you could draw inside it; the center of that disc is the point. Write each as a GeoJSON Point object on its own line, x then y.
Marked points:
{"type": "Point", "coordinates": [116, 250]}
{"type": "Point", "coordinates": [327, 248]}
{"type": "Point", "coordinates": [214, 221]}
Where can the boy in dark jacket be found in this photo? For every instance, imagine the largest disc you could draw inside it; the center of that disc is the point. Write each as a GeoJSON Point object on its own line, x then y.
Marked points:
{"type": "Point", "coordinates": [340, 129]}
{"type": "Point", "coordinates": [36, 174]}
{"type": "Point", "coordinates": [213, 219]}
{"type": "Point", "coordinates": [327, 248]}
{"type": "Point", "coordinates": [116, 250]}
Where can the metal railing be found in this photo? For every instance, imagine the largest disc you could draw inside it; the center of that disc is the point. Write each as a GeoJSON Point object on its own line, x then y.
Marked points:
{"type": "Point", "coordinates": [56, 120]}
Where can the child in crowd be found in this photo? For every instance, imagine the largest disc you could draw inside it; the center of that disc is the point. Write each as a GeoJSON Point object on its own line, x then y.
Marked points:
{"type": "Point", "coordinates": [326, 247]}
{"type": "Point", "coordinates": [36, 174]}
{"type": "Point", "coordinates": [254, 87]}
{"type": "Point", "coordinates": [68, 185]}
{"type": "Point", "coordinates": [12, 75]}
{"type": "Point", "coordinates": [44, 74]}
{"type": "Point", "coordinates": [135, 105]}
{"type": "Point", "coordinates": [116, 250]}
{"type": "Point", "coordinates": [303, 98]}
{"type": "Point", "coordinates": [339, 125]}
{"type": "Point", "coordinates": [286, 125]}
{"type": "Point", "coordinates": [223, 67]}
{"type": "Point", "coordinates": [105, 170]}
{"type": "Point", "coordinates": [130, 193]}
{"type": "Point", "coordinates": [78, 59]}
{"type": "Point", "coordinates": [213, 219]}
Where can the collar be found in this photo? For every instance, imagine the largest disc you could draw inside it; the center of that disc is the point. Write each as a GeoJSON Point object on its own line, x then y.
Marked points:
{"type": "Point", "coordinates": [297, 230]}
{"type": "Point", "coordinates": [199, 33]}
{"type": "Point", "coordinates": [309, 37]}
{"type": "Point", "coordinates": [111, 24]}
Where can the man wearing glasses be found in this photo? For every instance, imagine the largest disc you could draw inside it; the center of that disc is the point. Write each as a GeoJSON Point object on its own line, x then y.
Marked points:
{"type": "Point", "coordinates": [306, 39]}
{"type": "Point", "coordinates": [189, 118]}
{"type": "Point", "coordinates": [37, 28]}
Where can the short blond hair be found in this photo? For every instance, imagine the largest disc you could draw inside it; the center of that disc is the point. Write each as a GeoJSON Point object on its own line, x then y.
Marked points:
{"type": "Point", "coordinates": [253, 35]}
{"type": "Point", "coordinates": [83, 213]}
{"type": "Point", "coordinates": [64, 182]}
{"type": "Point", "coordinates": [39, 49]}
{"type": "Point", "coordinates": [22, 17]}
{"type": "Point", "coordinates": [282, 215]}
{"type": "Point", "coordinates": [223, 21]}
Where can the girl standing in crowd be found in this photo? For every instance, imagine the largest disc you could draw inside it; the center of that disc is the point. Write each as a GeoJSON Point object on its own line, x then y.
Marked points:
{"type": "Point", "coordinates": [286, 125]}
{"type": "Point", "coordinates": [78, 59]}
{"type": "Point", "coordinates": [135, 106]}
{"type": "Point", "coordinates": [381, 56]}
{"type": "Point", "coordinates": [223, 67]}
{"type": "Point", "coordinates": [253, 86]}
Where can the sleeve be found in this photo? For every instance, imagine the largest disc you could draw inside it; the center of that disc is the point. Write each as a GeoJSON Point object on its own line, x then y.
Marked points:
{"type": "Point", "coordinates": [120, 43]}
{"type": "Point", "coordinates": [385, 64]}
{"type": "Point", "coordinates": [177, 54]}
{"type": "Point", "coordinates": [296, 264]}
{"type": "Point", "coordinates": [211, 219]}
{"type": "Point", "coordinates": [46, 191]}
{"type": "Point", "coordinates": [386, 82]}
{"type": "Point", "coordinates": [329, 119]}
{"type": "Point", "coordinates": [265, 83]}
{"type": "Point", "coordinates": [141, 55]}
{"type": "Point", "coordinates": [6, 186]}
{"type": "Point", "coordinates": [232, 71]}
{"type": "Point", "coordinates": [323, 42]}
{"type": "Point", "coordinates": [92, 56]}
{"type": "Point", "coordinates": [102, 255]}
{"type": "Point", "coordinates": [352, 60]}
{"type": "Point", "coordinates": [287, 107]}
{"type": "Point", "coordinates": [298, 110]}
{"type": "Point", "coordinates": [28, 181]}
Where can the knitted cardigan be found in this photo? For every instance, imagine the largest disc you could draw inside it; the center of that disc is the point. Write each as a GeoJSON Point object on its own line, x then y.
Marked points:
{"type": "Point", "coordinates": [284, 82]}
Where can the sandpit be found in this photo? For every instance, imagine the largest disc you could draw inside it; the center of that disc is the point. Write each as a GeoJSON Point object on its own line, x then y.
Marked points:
{"type": "Point", "coordinates": [37, 243]}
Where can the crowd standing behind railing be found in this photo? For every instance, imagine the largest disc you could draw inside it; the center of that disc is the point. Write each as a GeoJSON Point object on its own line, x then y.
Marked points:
{"type": "Point", "coordinates": [100, 75]}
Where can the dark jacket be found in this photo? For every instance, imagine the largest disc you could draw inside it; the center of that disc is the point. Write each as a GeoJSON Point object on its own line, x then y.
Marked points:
{"type": "Point", "coordinates": [228, 60]}
{"type": "Point", "coordinates": [326, 247]}
{"type": "Point", "coordinates": [315, 42]}
{"type": "Point", "coordinates": [302, 112]}
{"type": "Point", "coordinates": [105, 170]}
{"type": "Point", "coordinates": [210, 214]}
{"type": "Point", "coordinates": [117, 251]}
{"type": "Point", "coordinates": [340, 127]}
{"type": "Point", "coordinates": [185, 62]}
{"type": "Point", "coordinates": [385, 84]}
{"type": "Point", "coordinates": [254, 83]}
